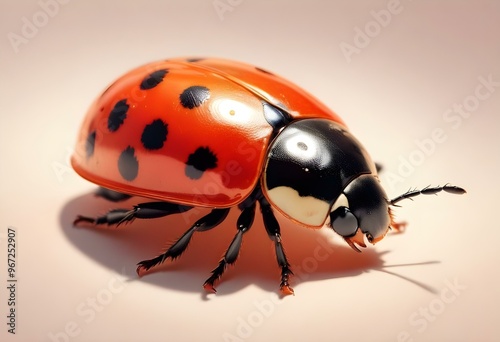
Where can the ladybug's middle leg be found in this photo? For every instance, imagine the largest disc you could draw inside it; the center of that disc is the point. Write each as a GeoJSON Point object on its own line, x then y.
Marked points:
{"type": "Point", "coordinates": [207, 222]}
{"type": "Point", "coordinates": [273, 230]}
{"type": "Point", "coordinates": [245, 221]}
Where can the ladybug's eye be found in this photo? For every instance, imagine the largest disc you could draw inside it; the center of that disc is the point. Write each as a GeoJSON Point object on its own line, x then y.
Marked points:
{"type": "Point", "coordinates": [343, 222]}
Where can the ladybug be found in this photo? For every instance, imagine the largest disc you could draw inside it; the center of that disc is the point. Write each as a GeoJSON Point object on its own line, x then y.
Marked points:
{"type": "Point", "coordinates": [205, 132]}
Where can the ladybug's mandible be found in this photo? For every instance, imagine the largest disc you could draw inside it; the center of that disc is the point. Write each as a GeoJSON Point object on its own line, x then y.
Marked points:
{"type": "Point", "coordinates": [216, 133]}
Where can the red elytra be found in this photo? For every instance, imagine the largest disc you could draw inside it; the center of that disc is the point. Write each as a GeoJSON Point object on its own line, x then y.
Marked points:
{"type": "Point", "coordinates": [228, 121]}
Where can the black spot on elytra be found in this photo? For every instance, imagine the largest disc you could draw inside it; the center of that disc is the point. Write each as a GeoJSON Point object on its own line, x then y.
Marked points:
{"type": "Point", "coordinates": [193, 60]}
{"type": "Point", "coordinates": [264, 71]}
{"type": "Point", "coordinates": [154, 135]}
{"type": "Point", "coordinates": [89, 144]}
{"type": "Point", "coordinates": [194, 96]}
{"type": "Point", "coordinates": [153, 79]}
{"type": "Point", "coordinates": [117, 115]}
{"type": "Point", "coordinates": [199, 161]}
{"type": "Point", "coordinates": [128, 164]}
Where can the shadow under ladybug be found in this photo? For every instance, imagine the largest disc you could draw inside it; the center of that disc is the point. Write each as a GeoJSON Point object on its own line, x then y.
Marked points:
{"type": "Point", "coordinates": [312, 256]}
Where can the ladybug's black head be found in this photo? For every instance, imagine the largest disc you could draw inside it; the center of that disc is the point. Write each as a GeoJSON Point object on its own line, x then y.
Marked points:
{"type": "Point", "coordinates": [361, 210]}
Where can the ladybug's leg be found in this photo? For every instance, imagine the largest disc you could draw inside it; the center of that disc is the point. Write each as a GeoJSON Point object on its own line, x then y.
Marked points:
{"type": "Point", "coordinates": [245, 221]}
{"type": "Point", "coordinates": [146, 210]}
{"type": "Point", "coordinates": [207, 222]}
{"type": "Point", "coordinates": [399, 227]}
{"type": "Point", "coordinates": [111, 195]}
{"type": "Point", "coordinates": [273, 230]}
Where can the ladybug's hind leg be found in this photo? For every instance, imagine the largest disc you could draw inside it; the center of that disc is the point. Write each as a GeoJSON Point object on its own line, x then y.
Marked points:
{"type": "Point", "coordinates": [147, 210]}
{"type": "Point", "coordinates": [207, 222]}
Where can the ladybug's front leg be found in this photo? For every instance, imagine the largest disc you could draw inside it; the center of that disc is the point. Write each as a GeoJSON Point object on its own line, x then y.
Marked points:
{"type": "Point", "coordinates": [399, 227]}
{"type": "Point", "coordinates": [273, 230]}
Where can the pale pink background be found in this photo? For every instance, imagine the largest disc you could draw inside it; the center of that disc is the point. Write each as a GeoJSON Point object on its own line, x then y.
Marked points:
{"type": "Point", "coordinates": [395, 91]}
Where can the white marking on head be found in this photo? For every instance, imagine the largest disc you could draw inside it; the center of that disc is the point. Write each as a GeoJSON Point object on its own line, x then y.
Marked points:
{"type": "Point", "coordinates": [307, 210]}
{"type": "Point", "coordinates": [340, 202]}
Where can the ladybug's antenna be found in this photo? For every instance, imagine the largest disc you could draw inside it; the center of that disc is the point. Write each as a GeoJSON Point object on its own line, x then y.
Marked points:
{"type": "Point", "coordinates": [427, 191]}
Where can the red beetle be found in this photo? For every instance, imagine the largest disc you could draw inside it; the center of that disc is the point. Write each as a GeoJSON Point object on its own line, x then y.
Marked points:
{"type": "Point", "coordinates": [220, 134]}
